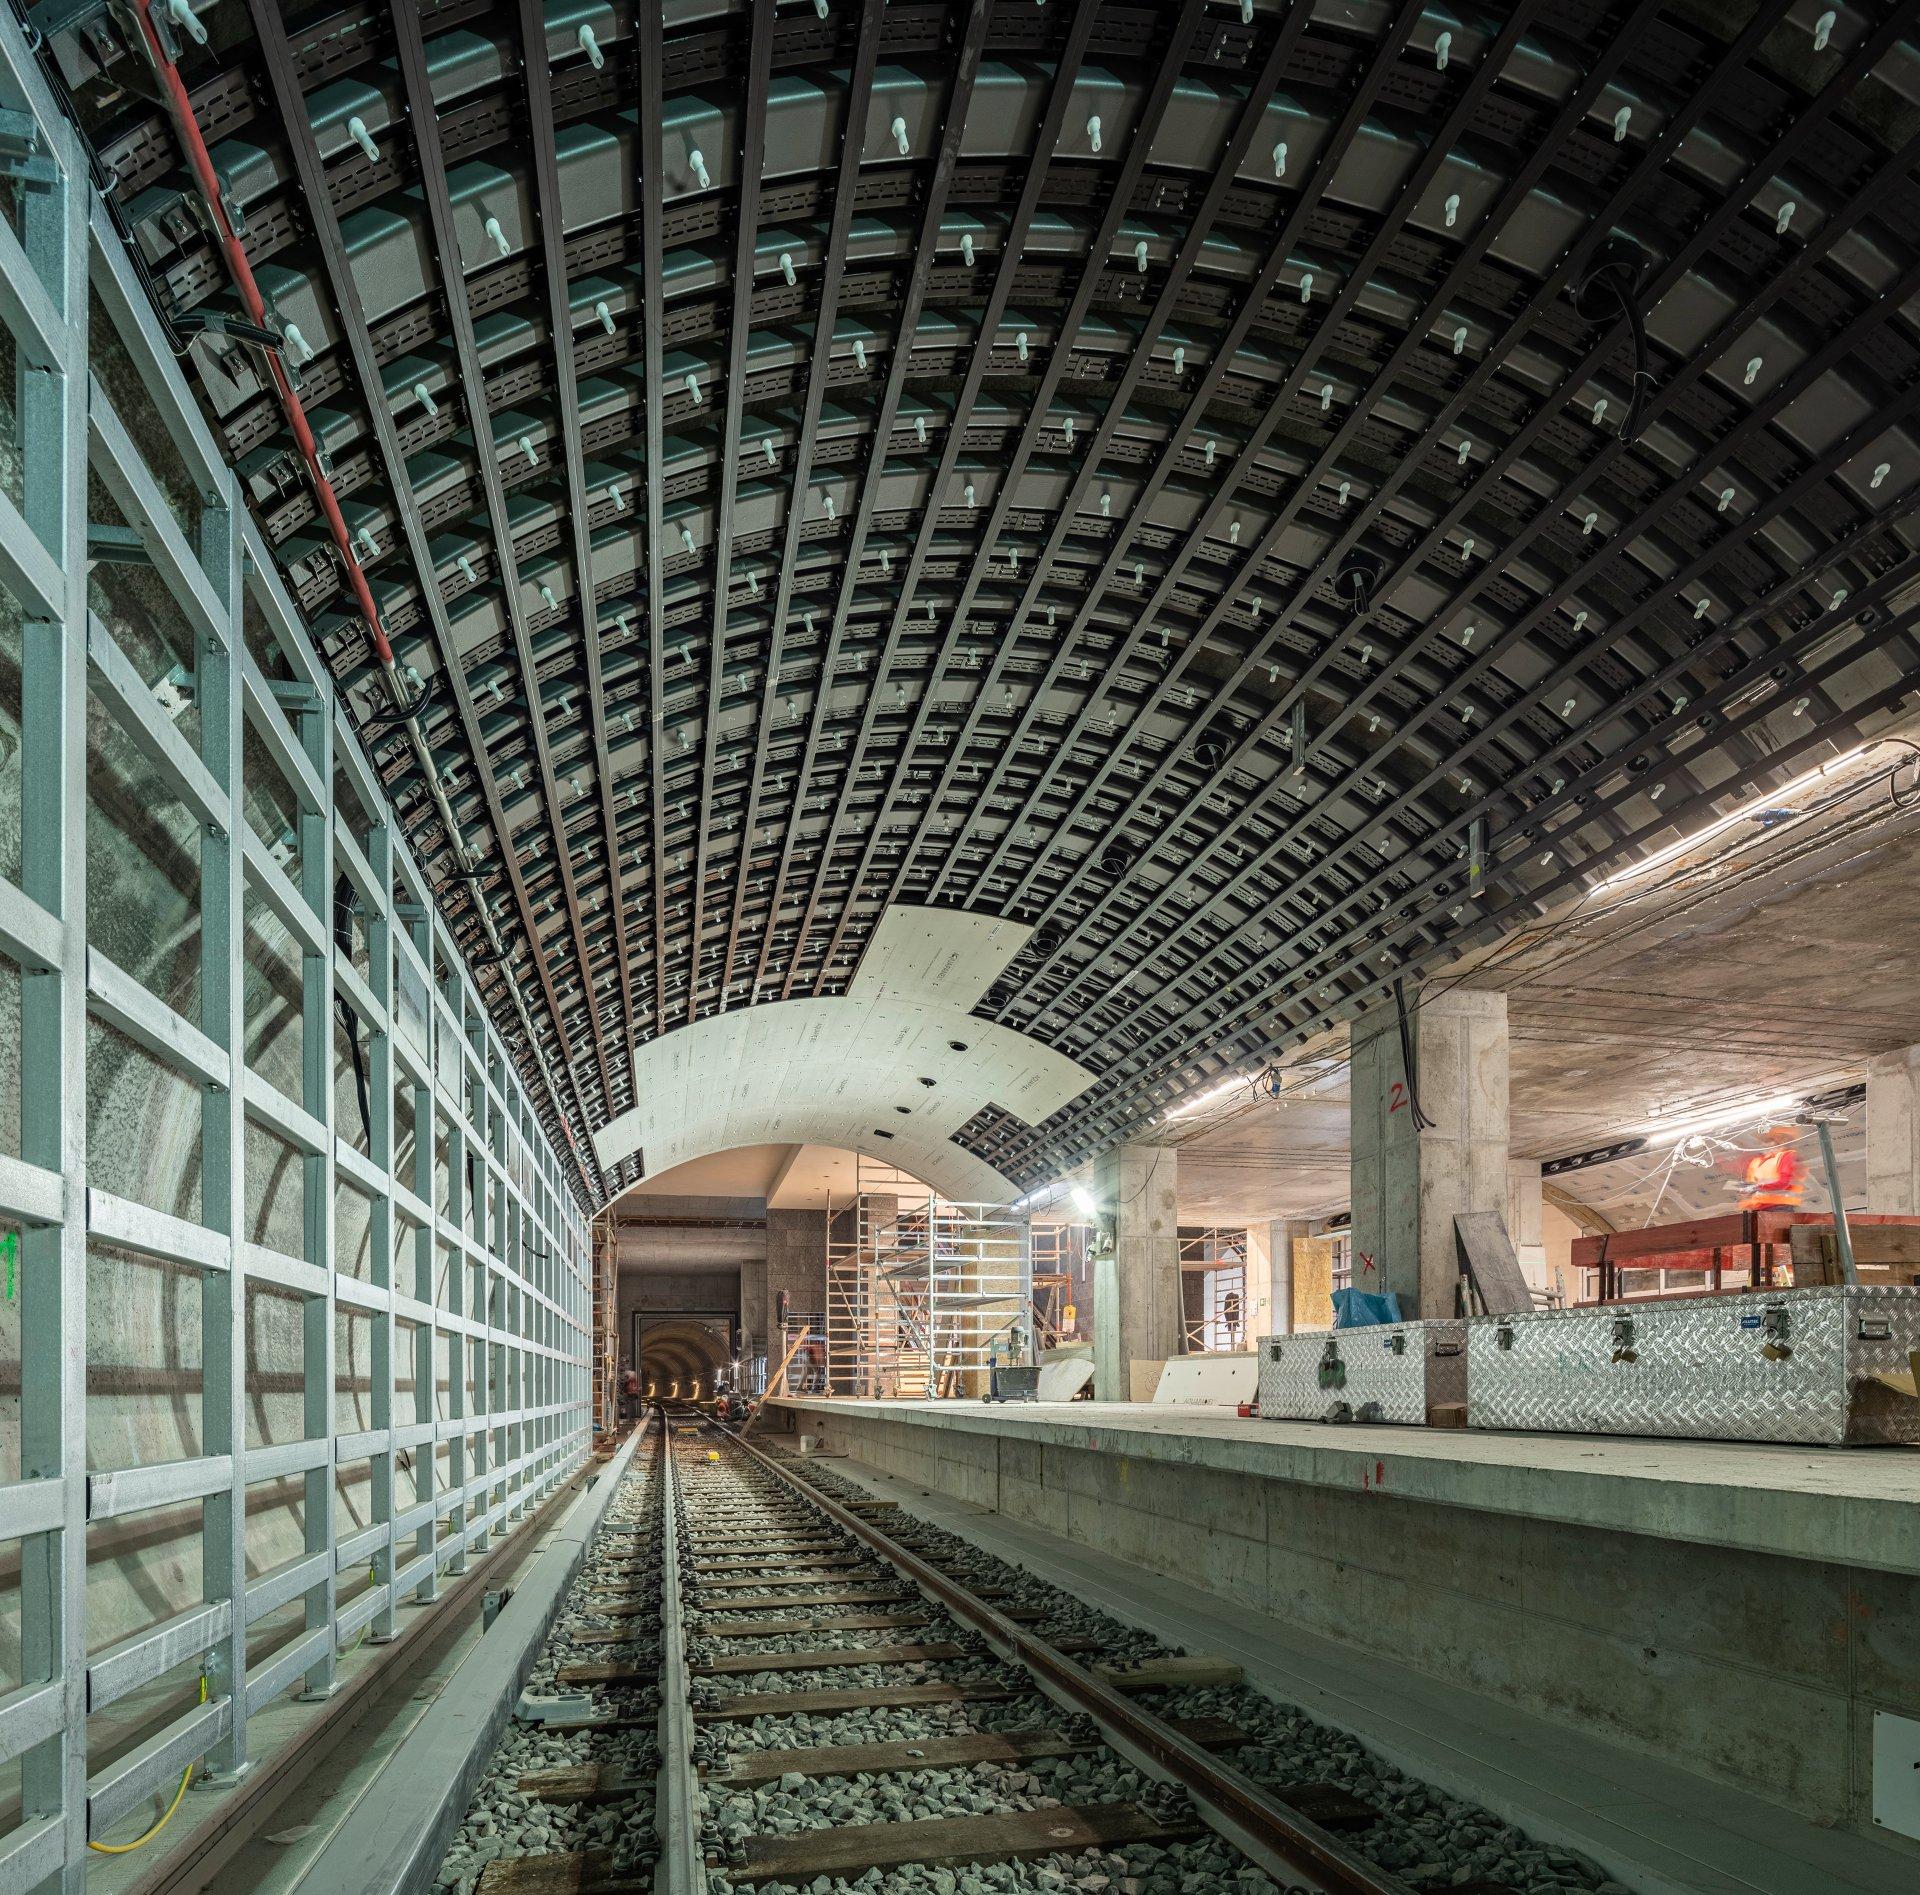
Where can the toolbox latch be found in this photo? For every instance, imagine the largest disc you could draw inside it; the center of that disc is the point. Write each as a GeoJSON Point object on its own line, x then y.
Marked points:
{"type": "Point", "coordinates": [1623, 1349]}
{"type": "Point", "coordinates": [1333, 1372]}
{"type": "Point", "coordinates": [1876, 1329]}
{"type": "Point", "coordinates": [1503, 1335]}
{"type": "Point", "coordinates": [1397, 1345]}
{"type": "Point", "coordinates": [1776, 1326]}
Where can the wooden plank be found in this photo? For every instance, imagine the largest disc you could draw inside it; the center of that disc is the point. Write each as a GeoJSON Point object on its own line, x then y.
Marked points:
{"type": "Point", "coordinates": [610, 1635]}
{"type": "Point", "coordinates": [751, 1546]}
{"type": "Point", "coordinates": [940, 1753]}
{"type": "Point", "coordinates": [949, 1841]}
{"type": "Point", "coordinates": [606, 1674]}
{"type": "Point", "coordinates": [1312, 1282]}
{"type": "Point", "coordinates": [1727, 1231]}
{"type": "Point", "coordinates": [740, 1664]}
{"type": "Point", "coordinates": [786, 1601]}
{"type": "Point", "coordinates": [558, 1873]}
{"type": "Point", "coordinates": [1186, 1671]}
{"type": "Point", "coordinates": [619, 1607]}
{"type": "Point", "coordinates": [822, 1570]}
{"type": "Point", "coordinates": [579, 1783]}
{"type": "Point", "coordinates": [785, 1628]}
{"type": "Point", "coordinates": [748, 1704]}
{"type": "Point", "coordinates": [1883, 1253]}
{"type": "Point", "coordinates": [757, 1565]}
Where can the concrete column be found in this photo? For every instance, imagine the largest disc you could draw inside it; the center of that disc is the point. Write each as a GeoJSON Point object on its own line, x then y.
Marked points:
{"type": "Point", "coordinates": [1525, 1209]}
{"type": "Point", "coordinates": [1409, 1185]}
{"type": "Point", "coordinates": [1893, 1133]}
{"type": "Point", "coordinates": [755, 1315]}
{"type": "Point", "coordinates": [1270, 1277]}
{"type": "Point", "coordinates": [796, 1263]}
{"type": "Point", "coordinates": [1136, 1277]}
{"type": "Point", "coordinates": [1256, 1307]}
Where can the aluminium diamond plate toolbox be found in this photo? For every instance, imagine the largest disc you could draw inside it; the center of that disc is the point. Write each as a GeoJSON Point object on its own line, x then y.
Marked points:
{"type": "Point", "coordinates": [1383, 1372]}
{"type": "Point", "coordinates": [1817, 1365]}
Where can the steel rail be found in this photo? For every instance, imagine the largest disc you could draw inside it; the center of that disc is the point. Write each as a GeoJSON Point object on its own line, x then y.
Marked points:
{"type": "Point", "coordinates": [236, 1818]}
{"type": "Point", "coordinates": [682, 1867]}
{"type": "Point", "coordinates": [1276, 1837]}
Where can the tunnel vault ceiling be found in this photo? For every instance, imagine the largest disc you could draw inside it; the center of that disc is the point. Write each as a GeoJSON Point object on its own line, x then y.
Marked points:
{"type": "Point", "coordinates": [826, 455]}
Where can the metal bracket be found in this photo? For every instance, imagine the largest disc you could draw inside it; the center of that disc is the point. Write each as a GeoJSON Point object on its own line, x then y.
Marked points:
{"type": "Point", "coordinates": [110, 545]}
{"type": "Point", "coordinates": [20, 153]}
{"type": "Point", "coordinates": [295, 695]}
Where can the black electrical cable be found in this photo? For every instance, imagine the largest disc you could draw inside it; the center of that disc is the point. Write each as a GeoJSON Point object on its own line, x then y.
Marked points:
{"type": "Point", "coordinates": [1912, 797]}
{"type": "Point", "coordinates": [1642, 374]}
{"type": "Point", "coordinates": [343, 940]}
{"type": "Point", "coordinates": [1421, 1122]}
{"type": "Point", "coordinates": [404, 713]}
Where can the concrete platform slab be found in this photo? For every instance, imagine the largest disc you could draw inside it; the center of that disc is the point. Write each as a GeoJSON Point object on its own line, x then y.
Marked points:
{"type": "Point", "coordinates": [1660, 1830]}
{"type": "Point", "coordinates": [1860, 1505]}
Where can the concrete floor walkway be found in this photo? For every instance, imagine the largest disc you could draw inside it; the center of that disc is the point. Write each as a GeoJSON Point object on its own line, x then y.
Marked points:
{"type": "Point", "coordinates": [1658, 1830]}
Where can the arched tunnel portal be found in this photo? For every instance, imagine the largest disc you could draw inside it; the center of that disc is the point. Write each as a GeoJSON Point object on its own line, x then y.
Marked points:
{"type": "Point", "coordinates": [681, 1356]}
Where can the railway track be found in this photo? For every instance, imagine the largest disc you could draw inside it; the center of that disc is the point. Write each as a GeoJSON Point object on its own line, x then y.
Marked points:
{"type": "Point", "coordinates": [799, 1690]}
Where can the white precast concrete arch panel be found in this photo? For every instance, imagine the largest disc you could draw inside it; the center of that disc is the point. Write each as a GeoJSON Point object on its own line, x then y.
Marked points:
{"type": "Point", "coordinates": [839, 1071]}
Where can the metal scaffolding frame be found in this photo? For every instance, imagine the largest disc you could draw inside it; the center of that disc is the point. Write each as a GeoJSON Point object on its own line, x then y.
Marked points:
{"type": "Point", "coordinates": [1213, 1317]}
{"type": "Point", "coordinates": [924, 1295]}
{"type": "Point", "coordinates": [513, 1315]}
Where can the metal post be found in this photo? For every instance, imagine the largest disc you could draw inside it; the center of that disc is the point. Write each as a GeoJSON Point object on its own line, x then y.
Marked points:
{"type": "Point", "coordinates": [1843, 1237]}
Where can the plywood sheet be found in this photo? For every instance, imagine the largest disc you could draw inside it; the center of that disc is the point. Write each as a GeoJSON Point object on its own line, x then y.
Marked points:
{"type": "Point", "coordinates": [1313, 1283]}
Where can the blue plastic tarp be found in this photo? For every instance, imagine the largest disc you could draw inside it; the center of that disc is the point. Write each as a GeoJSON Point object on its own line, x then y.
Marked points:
{"type": "Point", "coordinates": [1361, 1309]}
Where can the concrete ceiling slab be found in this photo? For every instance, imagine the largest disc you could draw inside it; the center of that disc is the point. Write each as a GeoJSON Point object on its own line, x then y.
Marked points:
{"type": "Point", "coordinates": [894, 1068]}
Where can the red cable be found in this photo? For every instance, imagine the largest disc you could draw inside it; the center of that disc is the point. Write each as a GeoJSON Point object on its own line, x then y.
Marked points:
{"type": "Point", "coordinates": [241, 271]}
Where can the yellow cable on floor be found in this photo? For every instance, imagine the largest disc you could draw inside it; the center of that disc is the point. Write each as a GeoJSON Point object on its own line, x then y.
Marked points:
{"type": "Point", "coordinates": [140, 1842]}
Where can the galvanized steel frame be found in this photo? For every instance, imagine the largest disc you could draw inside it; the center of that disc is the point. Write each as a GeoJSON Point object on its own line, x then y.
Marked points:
{"type": "Point", "coordinates": [517, 1305]}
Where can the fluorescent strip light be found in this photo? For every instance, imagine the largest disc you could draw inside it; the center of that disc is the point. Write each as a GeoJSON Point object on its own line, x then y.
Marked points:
{"type": "Point", "coordinates": [1663, 1131]}
{"type": "Point", "coordinates": [1224, 1090]}
{"type": "Point", "coordinates": [1772, 799]}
